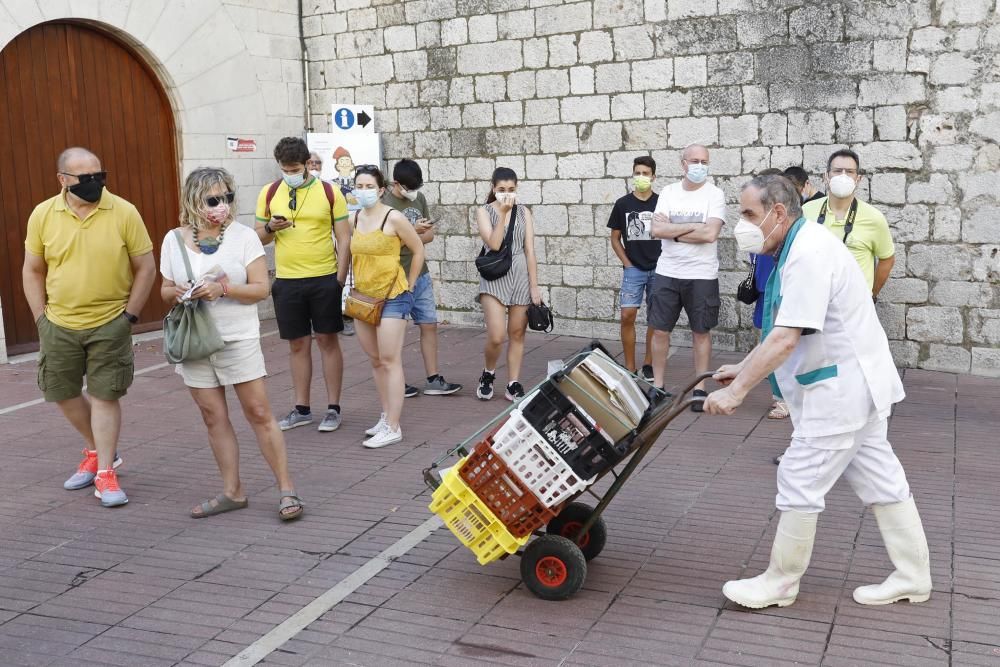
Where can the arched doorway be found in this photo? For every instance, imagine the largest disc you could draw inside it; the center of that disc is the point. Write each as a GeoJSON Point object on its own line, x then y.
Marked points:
{"type": "Point", "coordinates": [69, 84]}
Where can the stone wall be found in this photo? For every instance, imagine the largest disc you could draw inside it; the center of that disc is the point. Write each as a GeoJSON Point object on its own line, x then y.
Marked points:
{"type": "Point", "coordinates": [567, 93]}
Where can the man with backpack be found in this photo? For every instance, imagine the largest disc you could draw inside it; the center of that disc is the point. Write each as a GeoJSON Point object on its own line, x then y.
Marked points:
{"type": "Point", "coordinates": [296, 213]}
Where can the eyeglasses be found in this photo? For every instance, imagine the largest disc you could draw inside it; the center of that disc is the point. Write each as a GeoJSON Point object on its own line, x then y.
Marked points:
{"type": "Point", "coordinates": [842, 170]}
{"type": "Point", "coordinates": [87, 178]}
{"type": "Point", "coordinates": [212, 202]}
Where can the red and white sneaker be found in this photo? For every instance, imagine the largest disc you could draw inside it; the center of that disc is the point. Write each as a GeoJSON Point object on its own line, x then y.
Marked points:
{"type": "Point", "coordinates": [106, 488]}
{"type": "Point", "coordinates": [86, 471]}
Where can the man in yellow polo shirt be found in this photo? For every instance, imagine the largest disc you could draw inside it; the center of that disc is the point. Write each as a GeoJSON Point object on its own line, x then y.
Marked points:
{"type": "Point", "coordinates": [297, 214]}
{"type": "Point", "coordinates": [88, 269]}
{"type": "Point", "coordinates": [857, 223]}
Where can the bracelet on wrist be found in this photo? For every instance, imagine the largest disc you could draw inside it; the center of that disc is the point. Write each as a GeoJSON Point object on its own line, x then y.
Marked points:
{"type": "Point", "coordinates": [225, 290]}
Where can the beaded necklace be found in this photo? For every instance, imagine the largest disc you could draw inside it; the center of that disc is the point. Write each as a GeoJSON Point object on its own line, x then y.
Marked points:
{"type": "Point", "coordinates": [210, 245]}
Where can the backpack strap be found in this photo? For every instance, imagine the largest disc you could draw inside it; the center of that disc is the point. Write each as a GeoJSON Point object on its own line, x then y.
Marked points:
{"type": "Point", "coordinates": [330, 197]}
{"type": "Point", "coordinates": [271, 190]}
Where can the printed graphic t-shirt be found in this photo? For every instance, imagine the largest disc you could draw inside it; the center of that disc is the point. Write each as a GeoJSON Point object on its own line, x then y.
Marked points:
{"type": "Point", "coordinates": [413, 210]}
{"type": "Point", "coordinates": [690, 261]}
{"type": "Point", "coordinates": [634, 219]}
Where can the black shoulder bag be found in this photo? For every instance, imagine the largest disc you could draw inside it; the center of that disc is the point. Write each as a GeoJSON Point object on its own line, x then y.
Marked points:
{"type": "Point", "coordinates": [747, 291]}
{"type": "Point", "coordinates": [494, 264]}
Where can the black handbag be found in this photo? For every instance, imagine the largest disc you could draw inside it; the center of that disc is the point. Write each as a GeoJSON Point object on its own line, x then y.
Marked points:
{"type": "Point", "coordinates": [540, 318]}
{"type": "Point", "coordinates": [747, 291]}
{"type": "Point", "coordinates": [494, 264]}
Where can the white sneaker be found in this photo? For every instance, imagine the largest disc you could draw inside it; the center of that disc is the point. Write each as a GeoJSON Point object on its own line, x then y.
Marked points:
{"type": "Point", "coordinates": [384, 437]}
{"type": "Point", "coordinates": [378, 427]}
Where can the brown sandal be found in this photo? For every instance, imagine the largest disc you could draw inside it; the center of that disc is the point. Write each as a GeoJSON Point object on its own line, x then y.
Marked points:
{"type": "Point", "coordinates": [223, 503]}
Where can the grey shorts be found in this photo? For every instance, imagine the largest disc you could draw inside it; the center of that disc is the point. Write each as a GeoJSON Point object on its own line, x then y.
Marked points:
{"type": "Point", "coordinates": [698, 298]}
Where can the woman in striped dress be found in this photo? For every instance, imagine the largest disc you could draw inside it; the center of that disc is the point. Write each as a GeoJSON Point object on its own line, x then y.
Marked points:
{"type": "Point", "coordinates": [505, 300]}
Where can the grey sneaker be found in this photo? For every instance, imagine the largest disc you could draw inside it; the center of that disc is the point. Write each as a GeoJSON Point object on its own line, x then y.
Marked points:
{"type": "Point", "coordinates": [87, 471]}
{"type": "Point", "coordinates": [348, 327]}
{"type": "Point", "coordinates": [441, 387]}
{"type": "Point", "coordinates": [294, 419]}
{"type": "Point", "coordinates": [331, 422]}
{"type": "Point", "coordinates": [410, 391]}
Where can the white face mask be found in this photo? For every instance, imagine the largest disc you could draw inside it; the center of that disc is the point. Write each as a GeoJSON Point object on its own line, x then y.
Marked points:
{"type": "Point", "coordinates": [506, 197]}
{"type": "Point", "coordinates": [315, 172]}
{"type": "Point", "coordinates": [749, 237]}
{"type": "Point", "coordinates": [410, 194]}
{"type": "Point", "coordinates": [842, 186]}
{"type": "Point", "coordinates": [697, 172]}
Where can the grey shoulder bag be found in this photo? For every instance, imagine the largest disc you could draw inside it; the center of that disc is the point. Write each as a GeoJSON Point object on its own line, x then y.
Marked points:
{"type": "Point", "coordinates": [189, 334]}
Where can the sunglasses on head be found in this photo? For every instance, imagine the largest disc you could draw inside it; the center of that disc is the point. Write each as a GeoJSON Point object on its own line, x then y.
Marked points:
{"type": "Point", "coordinates": [366, 169]}
{"type": "Point", "coordinates": [87, 178]}
{"type": "Point", "coordinates": [214, 201]}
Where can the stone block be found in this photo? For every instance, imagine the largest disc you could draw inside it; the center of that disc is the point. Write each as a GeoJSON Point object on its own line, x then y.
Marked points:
{"type": "Point", "coordinates": [978, 185]}
{"type": "Point", "coordinates": [876, 19]}
{"type": "Point", "coordinates": [855, 126]}
{"type": "Point", "coordinates": [940, 262]}
{"type": "Point", "coordinates": [600, 136]}
{"type": "Point", "coordinates": [595, 47]}
{"type": "Point", "coordinates": [811, 127]}
{"type": "Point", "coordinates": [910, 223]}
{"type": "Point", "coordinates": [516, 25]}
{"type": "Point", "coordinates": [536, 53]}
{"type": "Point", "coordinates": [442, 62]}
{"type": "Point", "coordinates": [541, 112]}
{"type": "Point", "coordinates": [889, 55]}
{"type": "Point", "coordinates": [433, 93]}
{"type": "Point", "coordinates": [843, 59]}
{"type": "Point", "coordinates": [783, 64]}
{"type": "Point", "coordinates": [479, 168]}
{"type": "Point", "coordinates": [459, 248]}
{"type": "Point", "coordinates": [562, 51]}
{"type": "Point", "coordinates": [904, 290]}
{"type": "Point", "coordinates": [761, 28]}
{"type": "Point", "coordinates": [550, 220]}
{"type": "Point", "coordinates": [983, 223]}
{"type": "Point", "coordinates": [563, 18]}
{"type": "Point", "coordinates": [961, 294]}
{"type": "Point", "coordinates": [582, 217]}
{"type": "Point", "coordinates": [937, 190]}
{"type": "Point", "coordinates": [541, 167]}
{"type": "Point", "coordinates": [932, 39]}
{"type": "Point", "coordinates": [986, 361]}
{"type": "Point", "coordinates": [838, 93]}
{"type": "Point", "coordinates": [698, 35]}
{"type": "Point", "coordinates": [726, 162]}
{"type": "Point", "coordinates": [890, 123]}
{"type": "Point", "coordinates": [578, 276]}
{"type": "Point", "coordinates": [492, 57]}
{"type": "Point", "coordinates": [447, 169]}
{"type": "Point", "coordinates": [987, 126]}
{"type": "Point", "coordinates": [614, 78]}
{"type": "Point", "coordinates": [595, 303]}
{"type": "Point", "coordinates": [521, 140]}
{"type": "Point", "coordinates": [400, 38]}
{"type": "Point", "coordinates": [414, 120]}
{"type": "Point", "coordinates": [463, 90]}
{"type": "Point", "coordinates": [561, 192]}
{"type": "Point", "coordinates": [685, 131]}
{"type": "Point", "coordinates": [786, 156]}
{"type": "Point", "coordinates": [717, 100]}
{"type": "Point", "coordinates": [491, 88]}
{"type": "Point", "coordinates": [918, 63]}
{"type": "Point", "coordinates": [817, 22]}
{"type": "Point", "coordinates": [734, 67]}
{"type": "Point", "coordinates": [586, 108]}
{"type": "Point", "coordinates": [893, 318]}
{"type": "Point", "coordinates": [952, 158]}
{"type": "Point", "coordinates": [581, 165]}
{"type": "Point", "coordinates": [738, 131]}
{"type": "Point", "coordinates": [935, 324]}
{"type": "Point", "coordinates": [755, 159]}
{"type": "Point", "coordinates": [667, 104]}
{"type": "Point", "coordinates": [970, 12]}
{"type": "Point", "coordinates": [633, 43]}
{"type": "Point", "coordinates": [508, 113]}
{"type": "Point", "coordinates": [581, 80]}
{"type": "Point", "coordinates": [690, 71]}
{"type": "Point", "coordinates": [890, 155]}
{"type": "Point", "coordinates": [483, 28]}
{"type": "Point", "coordinates": [947, 358]}
{"type": "Point", "coordinates": [454, 32]}
{"type": "Point", "coordinates": [905, 353]}
{"type": "Point", "coordinates": [559, 139]}
{"type": "Point", "coordinates": [432, 144]}
{"type": "Point", "coordinates": [889, 89]}
{"type": "Point", "coordinates": [655, 10]}
{"type": "Point", "coordinates": [428, 34]}
{"type": "Point", "coordinates": [642, 134]}
{"type": "Point", "coordinates": [947, 223]}
{"type": "Point", "coordinates": [457, 193]}
{"type": "Point", "coordinates": [960, 99]}
{"type": "Point", "coordinates": [683, 9]}
{"type": "Point", "coordinates": [953, 69]}
{"type": "Point", "coordinates": [399, 95]}
{"type": "Point", "coordinates": [521, 85]}
{"type": "Point", "coordinates": [774, 129]}
{"type": "Point", "coordinates": [888, 188]}
{"type": "Point", "coordinates": [937, 129]}
{"type": "Point", "coordinates": [563, 301]}
{"type": "Point", "coordinates": [652, 74]}
{"type": "Point", "coordinates": [552, 82]}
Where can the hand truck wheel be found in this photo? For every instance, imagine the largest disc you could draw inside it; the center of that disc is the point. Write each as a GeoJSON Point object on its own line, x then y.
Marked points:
{"type": "Point", "coordinates": [553, 568]}
{"type": "Point", "coordinates": [568, 523]}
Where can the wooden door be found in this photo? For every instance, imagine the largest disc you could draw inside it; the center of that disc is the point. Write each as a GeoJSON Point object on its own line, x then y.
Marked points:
{"type": "Point", "coordinates": [67, 84]}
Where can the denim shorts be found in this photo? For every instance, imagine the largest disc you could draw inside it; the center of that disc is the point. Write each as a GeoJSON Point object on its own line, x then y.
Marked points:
{"type": "Point", "coordinates": [399, 307]}
{"type": "Point", "coordinates": [635, 281]}
{"type": "Point", "coordinates": [424, 307]}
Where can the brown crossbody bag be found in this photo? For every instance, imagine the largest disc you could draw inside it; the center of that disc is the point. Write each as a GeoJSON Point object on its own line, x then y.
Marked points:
{"type": "Point", "coordinates": [360, 306]}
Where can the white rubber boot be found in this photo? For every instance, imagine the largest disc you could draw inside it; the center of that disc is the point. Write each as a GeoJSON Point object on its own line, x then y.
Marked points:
{"type": "Point", "coordinates": [903, 534]}
{"type": "Point", "coordinates": [790, 553]}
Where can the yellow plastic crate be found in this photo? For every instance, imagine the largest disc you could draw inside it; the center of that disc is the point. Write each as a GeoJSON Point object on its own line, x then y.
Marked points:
{"type": "Point", "coordinates": [470, 520]}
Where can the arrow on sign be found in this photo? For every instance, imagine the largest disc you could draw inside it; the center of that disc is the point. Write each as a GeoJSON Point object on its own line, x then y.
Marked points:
{"type": "Point", "coordinates": [364, 119]}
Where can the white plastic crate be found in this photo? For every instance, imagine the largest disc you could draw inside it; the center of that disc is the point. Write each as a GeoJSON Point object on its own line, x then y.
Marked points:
{"type": "Point", "coordinates": [535, 462]}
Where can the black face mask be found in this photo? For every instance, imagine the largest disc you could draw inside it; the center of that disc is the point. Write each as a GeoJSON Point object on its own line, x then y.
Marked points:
{"type": "Point", "coordinates": [90, 191]}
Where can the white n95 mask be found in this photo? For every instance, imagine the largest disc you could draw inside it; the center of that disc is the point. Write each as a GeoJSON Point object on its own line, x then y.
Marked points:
{"type": "Point", "coordinates": [749, 237]}
{"type": "Point", "coordinates": [842, 186]}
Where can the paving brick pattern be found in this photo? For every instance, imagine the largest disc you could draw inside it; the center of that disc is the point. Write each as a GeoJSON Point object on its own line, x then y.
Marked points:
{"type": "Point", "coordinates": [146, 585]}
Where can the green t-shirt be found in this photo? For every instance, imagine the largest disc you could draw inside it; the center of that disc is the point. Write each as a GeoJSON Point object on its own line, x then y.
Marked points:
{"type": "Point", "coordinates": [870, 238]}
{"type": "Point", "coordinates": [413, 210]}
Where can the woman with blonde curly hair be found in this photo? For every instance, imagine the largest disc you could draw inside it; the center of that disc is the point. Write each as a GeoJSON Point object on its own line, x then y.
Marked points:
{"type": "Point", "coordinates": [228, 259]}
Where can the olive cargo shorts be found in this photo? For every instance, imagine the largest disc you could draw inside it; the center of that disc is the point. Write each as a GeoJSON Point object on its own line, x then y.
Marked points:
{"type": "Point", "coordinates": [103, 354]}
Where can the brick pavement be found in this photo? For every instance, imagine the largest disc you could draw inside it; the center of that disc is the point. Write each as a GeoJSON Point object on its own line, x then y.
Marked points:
{"type": "Point", "coordinates": [146, 585]}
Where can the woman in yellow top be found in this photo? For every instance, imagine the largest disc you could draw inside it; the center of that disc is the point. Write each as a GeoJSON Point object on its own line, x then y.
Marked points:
{"type": "Point", "coordinates": [379, 233]}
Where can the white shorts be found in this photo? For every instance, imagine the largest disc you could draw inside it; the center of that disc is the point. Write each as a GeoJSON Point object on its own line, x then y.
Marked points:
{"type": "Point", "coordinates": [239, 361]}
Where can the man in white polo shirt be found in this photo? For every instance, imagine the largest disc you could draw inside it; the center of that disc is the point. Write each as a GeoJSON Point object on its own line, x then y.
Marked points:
{"type": "Point", "coordinates": [829, 359]}
{"type": "Point", "coordinates": [689, 216]}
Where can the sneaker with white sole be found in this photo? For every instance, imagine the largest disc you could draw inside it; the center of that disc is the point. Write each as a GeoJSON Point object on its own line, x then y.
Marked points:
{"type": "Point", "coordinates": [348, 327]}
{"type": "Point", "coordinates": [485, 390]}
{"type": "Point", "coordinates": [379, 425]}
{"type": "Point", "coordinates": [647, 373]}
{"type": "Point", "coordinates": [514, 391]}
{"type": "Point", "coordinates": [294, 419]}
{"type": "Point", "coordinates": [331, 422]}
{"type": "Point", "coordinates": [409, 391]}
{"type": "Point", "coordinates": [386, 436]}
{"type": "Point", "coordinates": [441, 387]}
{"type": "Point", "coordinates": [87, 471]}
{"type": "Point", "coordinates": [106, 488]}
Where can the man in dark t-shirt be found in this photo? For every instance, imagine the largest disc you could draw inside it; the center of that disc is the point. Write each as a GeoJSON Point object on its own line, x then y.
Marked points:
{"type": "Point", "coordinates": [404, 196]}
{"type": "Point", "coordinates": [631, 224]}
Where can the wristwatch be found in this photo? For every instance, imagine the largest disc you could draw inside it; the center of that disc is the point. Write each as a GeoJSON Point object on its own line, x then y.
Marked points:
{"type": "Point", "coordinates": [267, 228]}
{"type": "Point", "coordinates": [132, 319]}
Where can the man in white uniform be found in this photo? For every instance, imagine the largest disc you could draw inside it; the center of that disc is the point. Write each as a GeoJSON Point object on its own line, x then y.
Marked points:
{"type": "Point", "coordinates": [830, 361]}
{"type": "Point", "coordinates": [689, 216]}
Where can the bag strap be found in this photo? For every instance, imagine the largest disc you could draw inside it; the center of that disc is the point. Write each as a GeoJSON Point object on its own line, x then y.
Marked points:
{"type": "Point", "coordinates": [508, 238]}
{"type": "Point", "coordinates": [387, 214]}
{"type": "Point", "coordinates": [184, 254]}
{"type": "Point", "coordinates": [849, 223]}
{"type": "Point", "coordinates": [271, 190]}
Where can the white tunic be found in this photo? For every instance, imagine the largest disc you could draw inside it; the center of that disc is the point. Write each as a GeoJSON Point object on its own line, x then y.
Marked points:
{"type": "Point", "coordinates": [841, 374]}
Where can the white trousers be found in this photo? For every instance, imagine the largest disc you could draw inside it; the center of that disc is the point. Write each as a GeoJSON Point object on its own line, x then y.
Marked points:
{"type": "Point", "coordinates": [811, 466]}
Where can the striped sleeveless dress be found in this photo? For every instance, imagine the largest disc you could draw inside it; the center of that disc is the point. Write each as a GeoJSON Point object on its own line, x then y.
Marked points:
{"type": "Point", "coordinates": [512, 289]}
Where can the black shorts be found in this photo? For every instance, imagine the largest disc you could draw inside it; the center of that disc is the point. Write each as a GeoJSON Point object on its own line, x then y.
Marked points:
{"type": "Point", "coordinates": [306, 305]}
{"type": "Point", "coordinates": [698, 298]}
